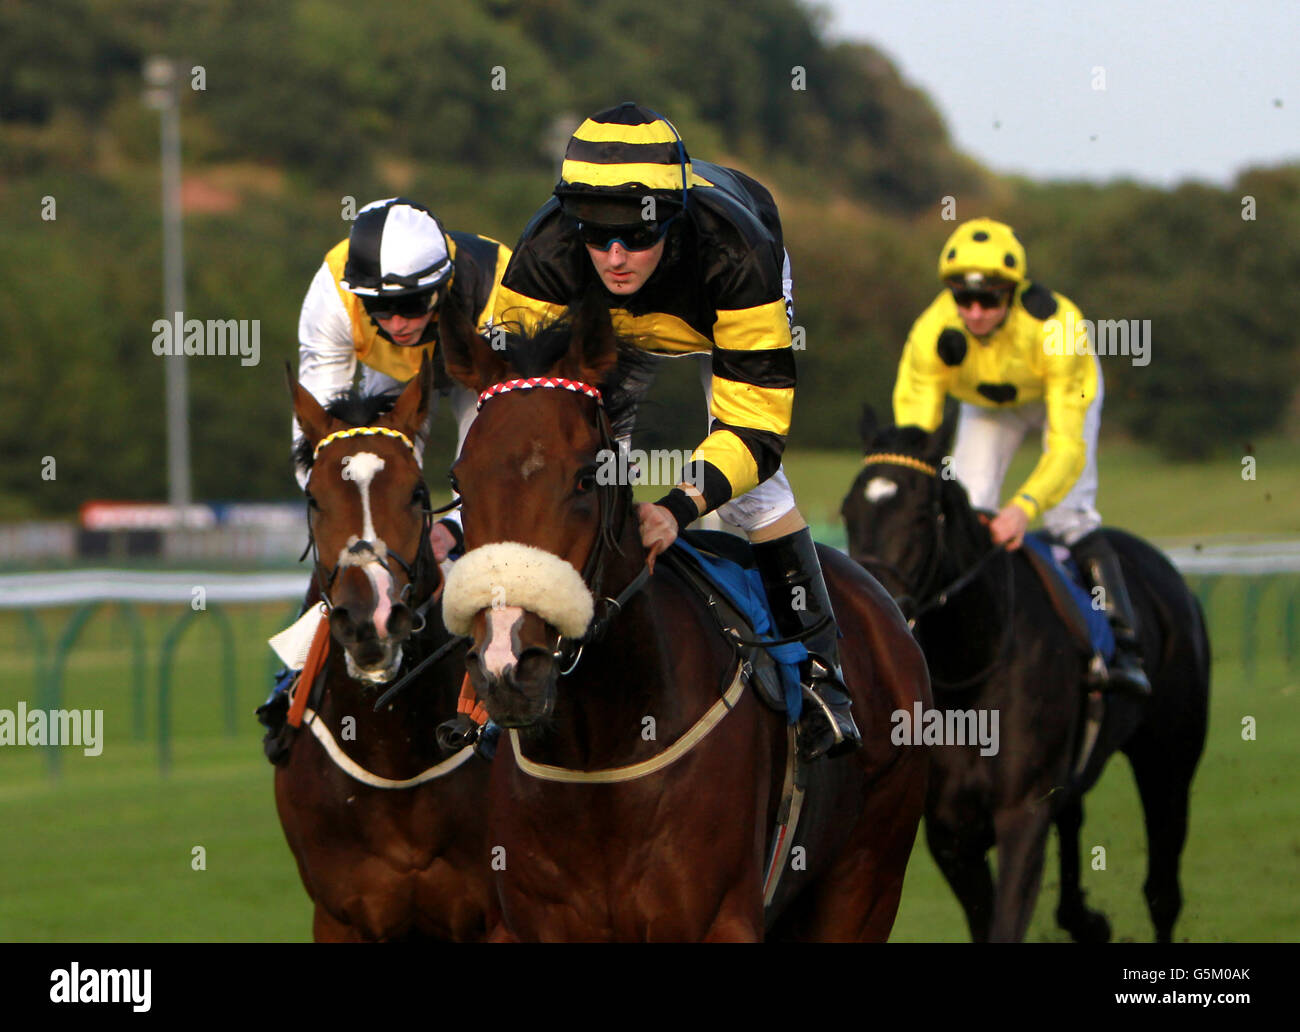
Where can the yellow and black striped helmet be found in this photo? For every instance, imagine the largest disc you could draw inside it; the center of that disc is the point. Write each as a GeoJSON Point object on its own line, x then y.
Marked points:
{"type": "Point", "coordinates": [619, 157]}
{"type": "Point", "coordinates": [982, 251]}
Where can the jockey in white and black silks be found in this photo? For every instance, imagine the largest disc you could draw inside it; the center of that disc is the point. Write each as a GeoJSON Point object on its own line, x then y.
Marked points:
{"type": "Point", "coordinates": [995, 340]}
{"type": "Point", "coordinates": [689, 257]}
{"type": "Point", "coordinates": [375, 301]}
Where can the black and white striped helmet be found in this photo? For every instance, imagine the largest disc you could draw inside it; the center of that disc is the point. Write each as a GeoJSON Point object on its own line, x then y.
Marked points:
{"type": "Point", "coordinates": [396, 247]}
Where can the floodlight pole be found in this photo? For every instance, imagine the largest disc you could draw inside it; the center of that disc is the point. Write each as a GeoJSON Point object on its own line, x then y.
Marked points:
{"type": "Point", "coordinates": [162, 75]}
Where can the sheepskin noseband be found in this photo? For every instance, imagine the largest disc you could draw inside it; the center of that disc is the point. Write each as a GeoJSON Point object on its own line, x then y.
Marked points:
{"type": "Point", "coordinates": [511, 574]}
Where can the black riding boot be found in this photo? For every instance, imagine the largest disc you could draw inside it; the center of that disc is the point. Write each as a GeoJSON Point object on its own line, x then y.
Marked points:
{"type": "Point", "coordinates": [796, 591]}
{"type": "Point", "coordinates": [1100, 565]}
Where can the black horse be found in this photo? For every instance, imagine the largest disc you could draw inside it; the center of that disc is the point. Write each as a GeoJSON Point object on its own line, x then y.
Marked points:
{"type": "Point", "coordinates": [994, 645]}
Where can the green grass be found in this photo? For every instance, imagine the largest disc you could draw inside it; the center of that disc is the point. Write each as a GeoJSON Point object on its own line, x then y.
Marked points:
{"type": "Point", "coordinates": [104, 852]}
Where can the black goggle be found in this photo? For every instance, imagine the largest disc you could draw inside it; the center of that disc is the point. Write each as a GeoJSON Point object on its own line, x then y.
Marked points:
{"type": "Point", "coordinates": [984, 298]}
{"type": "Point", "coordinates": [639, 236]}
{"type": "Point", "coordinates": [408, 306]}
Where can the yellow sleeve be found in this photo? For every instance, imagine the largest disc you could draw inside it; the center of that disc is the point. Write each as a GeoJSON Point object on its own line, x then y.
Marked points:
{"type": "Point", "coordinates": [1070, 387]}
{"type": "Point", "coordinates": [923, 377]}
{"type": "Point", "coordinates": [520, 313]}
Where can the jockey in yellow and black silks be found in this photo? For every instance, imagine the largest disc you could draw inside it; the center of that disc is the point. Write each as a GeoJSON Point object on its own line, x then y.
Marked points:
{"type": "Point", "coordinates": [375, 301]}
{"type": "Point", "coordinates": [1015, 354]}
{"type": "Point", "coordinates": [690, 259]}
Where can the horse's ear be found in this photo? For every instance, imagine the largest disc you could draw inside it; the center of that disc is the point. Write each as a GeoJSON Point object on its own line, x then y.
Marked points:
{"type": "Point", "coordinates": [595, 343]}
{"type": "Point", "coordinates": [412, 407]}
{"type": "Point", "coordinates": [469, 359]}
{"type": "Point", "coordinates": [316, 423]}
{"type": "Point", "coordinates": [867, 426]}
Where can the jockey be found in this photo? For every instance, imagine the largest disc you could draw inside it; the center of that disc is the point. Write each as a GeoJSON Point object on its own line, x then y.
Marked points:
{"type": "Point", "coordinates": [375, 300]}
{"type": "Point", "coordinates": [995, 340]}
{"type": "Point", "coordinates": [690, 258]}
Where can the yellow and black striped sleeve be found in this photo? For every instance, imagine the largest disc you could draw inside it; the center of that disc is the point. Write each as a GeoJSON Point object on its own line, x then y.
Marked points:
{"type": "Point", "coordinates": [753, 377]}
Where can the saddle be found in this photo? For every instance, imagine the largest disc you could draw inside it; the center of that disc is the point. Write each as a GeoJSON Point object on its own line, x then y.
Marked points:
{"type": "Point", "coordinates": [1088, 627]}
{"type": "Point", "coordinates": [719, 568]}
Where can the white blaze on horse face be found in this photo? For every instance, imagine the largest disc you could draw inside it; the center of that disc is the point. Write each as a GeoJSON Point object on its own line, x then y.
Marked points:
{"type": "Point", "coordinates": [880, 488]}
{"type": "Point", "coordinates": [361, 469]}
{"type": "Point", "coordinates": [535, 462]}
{"type": "Point", "coordinates": [500, 651]}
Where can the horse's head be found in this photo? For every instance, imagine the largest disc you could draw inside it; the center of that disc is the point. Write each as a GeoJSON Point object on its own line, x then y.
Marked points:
{"type": "Point", "coordinates": [368, 510]}
{"type": "Point", "coordinates": [541, 520]}
{"type": "Point", "coordinates": [894, 513]}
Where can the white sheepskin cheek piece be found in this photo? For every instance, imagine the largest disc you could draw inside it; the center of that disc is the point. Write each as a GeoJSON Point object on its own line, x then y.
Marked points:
{"type": "Point", "coordinates": [511, 574]}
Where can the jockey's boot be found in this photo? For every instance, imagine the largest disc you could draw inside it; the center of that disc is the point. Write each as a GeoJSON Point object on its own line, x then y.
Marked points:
{"type": "Point", "coordinates": [1100, 566]}
{"type": "Point", "coordinates": [796, 591]}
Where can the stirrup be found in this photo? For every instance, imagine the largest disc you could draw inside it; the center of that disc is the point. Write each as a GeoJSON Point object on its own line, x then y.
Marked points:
{"type": "Point", "coordinates": [455, 734]}
{"type": "Point", "coordinates": [826, 728]}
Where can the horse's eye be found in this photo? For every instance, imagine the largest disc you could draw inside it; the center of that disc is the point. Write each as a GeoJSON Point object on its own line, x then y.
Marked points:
{"type": "Point", "coordinates": [420, 496]}
{"type": "Point", "coordinates": [311, 502]}
{"type": "Point", "coordinates": [587, 480]}
{"type": "Point", "coordinates": [451, 479]}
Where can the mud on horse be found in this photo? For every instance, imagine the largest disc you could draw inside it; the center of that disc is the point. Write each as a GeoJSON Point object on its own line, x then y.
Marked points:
{"type": "Point", "coordinates": [634, 789]}
{"type": "Point", "coordinates": [387, 831]}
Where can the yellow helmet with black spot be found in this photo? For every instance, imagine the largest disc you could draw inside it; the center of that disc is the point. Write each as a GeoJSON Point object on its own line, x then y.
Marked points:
{"type": "Point", "coordinates": [982, 252]}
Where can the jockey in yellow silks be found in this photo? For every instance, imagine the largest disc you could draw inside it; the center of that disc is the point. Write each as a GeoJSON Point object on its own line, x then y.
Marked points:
{"type": "Point", "coordinates": [1017, 357]}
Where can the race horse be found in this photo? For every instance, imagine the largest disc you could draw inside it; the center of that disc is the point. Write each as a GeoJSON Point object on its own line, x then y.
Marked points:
{"type": "Point", "coordinates": [994, 646]}
{"type": "Point", "coordinates": [637, 782]}
{"type": "Point", "coordinates": [388, 833]}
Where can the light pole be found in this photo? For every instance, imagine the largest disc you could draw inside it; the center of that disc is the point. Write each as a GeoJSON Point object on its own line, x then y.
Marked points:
{"type": "Point", "coordinates": [162, 76]}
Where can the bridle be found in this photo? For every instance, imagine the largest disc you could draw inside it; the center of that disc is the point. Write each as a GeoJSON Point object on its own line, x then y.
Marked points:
{"type": "Point", "coordinates": [937, 599]}
{"type": "Point", "coordinates": [614, 509]}
{"type": "Point", "coordinates": [416, 570]}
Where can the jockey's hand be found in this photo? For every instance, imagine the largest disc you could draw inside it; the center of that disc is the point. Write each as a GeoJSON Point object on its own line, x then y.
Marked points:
{"type": "Point", "coordinates": [443, 541]}
{"type": "Point", "coordinates": [1009, 526]}
{"type": "Point", "coordinates": [658, 529]}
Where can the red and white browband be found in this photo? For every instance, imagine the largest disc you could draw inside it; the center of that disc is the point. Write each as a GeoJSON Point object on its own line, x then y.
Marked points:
{"type": "Point", "coordinates": [506, 386]}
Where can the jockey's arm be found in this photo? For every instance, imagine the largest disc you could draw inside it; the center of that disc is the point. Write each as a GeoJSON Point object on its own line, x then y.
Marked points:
{"type": "Point", "coordinates": [923, 377]}
{"type": "Point", "coordinates": [1070, 387]}
{"type": "Point", "coordinates": [327, 357]}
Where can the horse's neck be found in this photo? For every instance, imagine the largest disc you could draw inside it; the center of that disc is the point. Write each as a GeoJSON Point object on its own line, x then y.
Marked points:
{"type": "Point", "coordinates": [623, 701]}
{"type": "Point", "coordinates": [967, 542]}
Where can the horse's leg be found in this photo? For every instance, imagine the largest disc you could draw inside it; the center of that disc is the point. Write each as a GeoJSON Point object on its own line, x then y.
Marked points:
{"type": "Point", "coordinates": [1072, 914]}
{"type": "Point", "coordinates": [965, 865]}
{"type": "Point", "coordinates": [325, 927]}
{"type": "Point", "coordinates": [1022, 839]}
{"type": "Point", "coordinates": [857, 899]}
{"type": "Point", "coordinates": [1163, 784]}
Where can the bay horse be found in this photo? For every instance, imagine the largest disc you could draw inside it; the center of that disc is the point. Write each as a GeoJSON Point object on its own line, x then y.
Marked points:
{"type": "Point", "coordinates": [388, 834]}
{"type": "Point", "coordinates": [634, 788]}
{"type": "Point", "coordinates": [994, 646]}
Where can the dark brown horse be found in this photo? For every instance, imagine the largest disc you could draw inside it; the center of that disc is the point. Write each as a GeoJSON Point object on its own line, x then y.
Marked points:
{"type": "Point", "coordinates": [996, 647]}
{"type": "Point", "coordinates": [381, 857]}
{"type": "Point", "coordinates": [590, 846]}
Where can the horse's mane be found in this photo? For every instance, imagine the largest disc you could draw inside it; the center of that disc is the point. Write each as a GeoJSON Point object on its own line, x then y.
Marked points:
{"type": "Point", "coordinates": [353, 408]}
{"type": "Point", "coordinates": [538, 353]}
{"type": "Point", "coordinates": [962, 520]}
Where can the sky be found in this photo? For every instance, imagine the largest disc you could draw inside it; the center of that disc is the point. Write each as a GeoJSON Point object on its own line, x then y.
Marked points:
{"type": "Point", "coordinates": [1190, 89]}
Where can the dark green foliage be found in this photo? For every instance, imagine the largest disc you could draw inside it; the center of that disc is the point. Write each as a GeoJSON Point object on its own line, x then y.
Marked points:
{"type": "Point", "coordinates": [308, 103]}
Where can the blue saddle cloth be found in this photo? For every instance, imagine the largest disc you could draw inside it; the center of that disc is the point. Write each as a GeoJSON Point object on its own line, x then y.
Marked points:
{"type": "Point", "coordinates": [1100, 633]}
{"type": "Point", "coordinates": [745, 590]}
